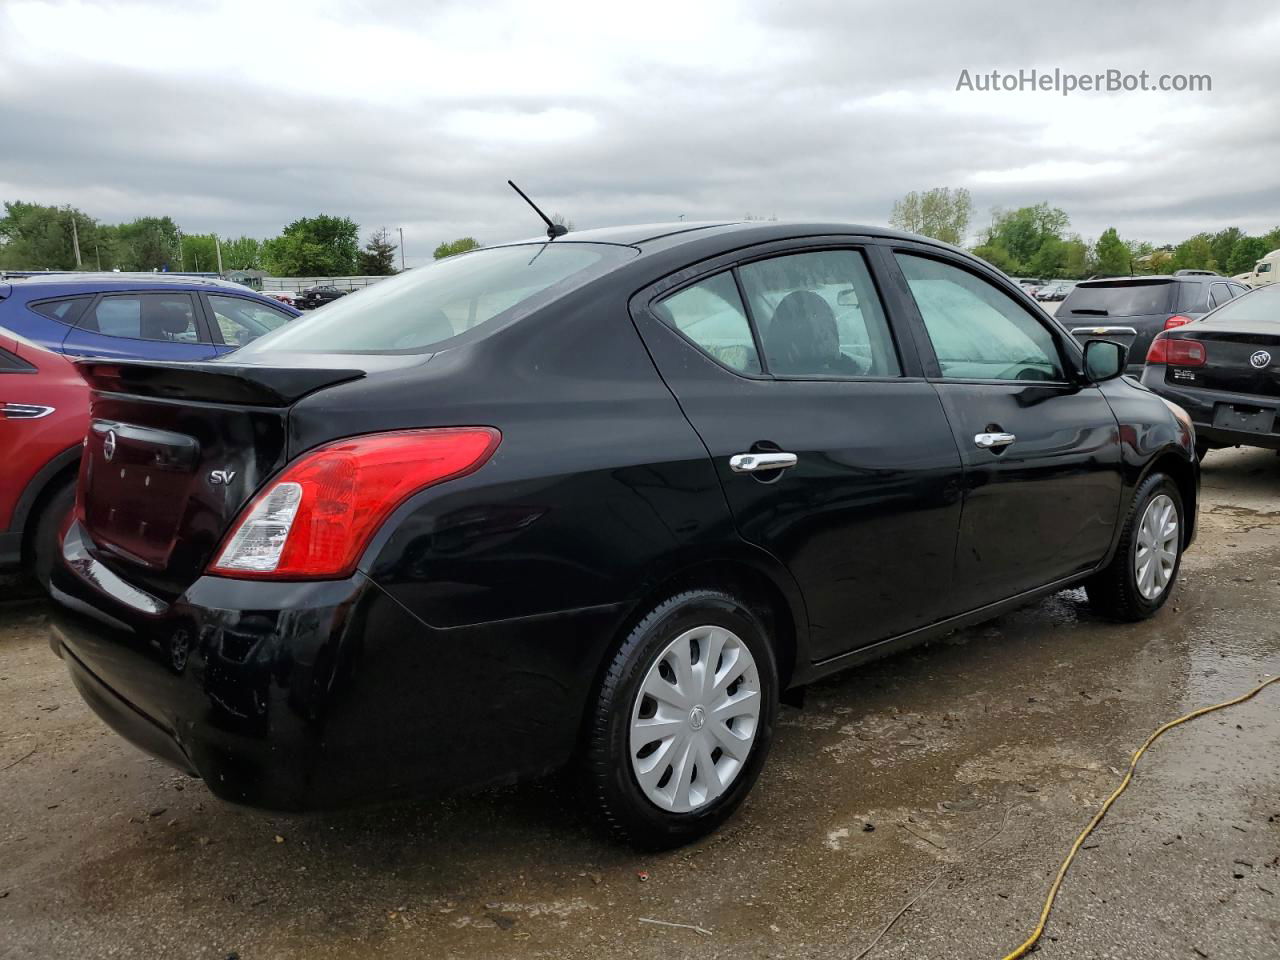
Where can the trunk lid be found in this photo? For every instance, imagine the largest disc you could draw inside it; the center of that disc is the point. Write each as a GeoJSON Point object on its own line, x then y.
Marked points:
{"type": "Point", "coordinates": [1241, 358]}
{"type": "Point", "coordinates": [174, 451]}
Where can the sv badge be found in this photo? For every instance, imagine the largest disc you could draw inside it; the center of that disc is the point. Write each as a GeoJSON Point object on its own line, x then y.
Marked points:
{"type": "Point", "coordinates": [221, 478]}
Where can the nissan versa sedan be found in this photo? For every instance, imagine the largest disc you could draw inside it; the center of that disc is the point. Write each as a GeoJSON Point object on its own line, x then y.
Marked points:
{"type": "Point", "coordinates": [604, 500]}
{"type": "Point", "coordinates": [1224, 371]}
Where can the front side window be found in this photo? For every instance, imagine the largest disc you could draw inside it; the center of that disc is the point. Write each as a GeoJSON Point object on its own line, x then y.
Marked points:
{"type": "Point", "coordinates": [818, 315]}
{"type": "Point", "coordinates": [978, 332]}
{"type": "Point", "coordinates": [1219, 293]}
{"type": "Point", "coordinates": [144, 316]}
{"type": "Point", "coordinates": [1264, 267]}
{"type": "Point", "coordinates": [710, 314]}
{"type": "Point", "coordinates": [242, 321]}
{"type": "Point", "coordinates": [416, 310]}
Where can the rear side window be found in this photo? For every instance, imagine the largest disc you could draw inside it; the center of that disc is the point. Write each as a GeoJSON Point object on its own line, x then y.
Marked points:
{"type": "Point", "coordinates": [1219, 293]}
{"type": "Point", "coordinates": [1124, 299]}
{"type": "Point", "coordinates": [242, 321]}
{"type": "Point", "coordinates": [978, 332]}
{"type": "Point", "coordinates": [144, 316]}
{"type": "Point", "coordinates": [417, 310]}
{"type": "Point", "coordinates": [710, 314]}
{"type": "Point", "coordinates": [67, 311]}
{"type": "Point", "coordinates": [818, 315]}
{"type": "Point", "coordinates": [12, 363]}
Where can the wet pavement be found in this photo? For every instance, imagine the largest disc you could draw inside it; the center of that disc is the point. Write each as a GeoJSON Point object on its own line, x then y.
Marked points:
{"type": "Point", "coordinates": [976, 760]}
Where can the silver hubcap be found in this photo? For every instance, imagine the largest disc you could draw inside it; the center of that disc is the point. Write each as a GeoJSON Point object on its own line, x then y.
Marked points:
{"type": "Point", "coordinates": [694, 719]}
{"type": "Point", "coordinates": [1157, 552]}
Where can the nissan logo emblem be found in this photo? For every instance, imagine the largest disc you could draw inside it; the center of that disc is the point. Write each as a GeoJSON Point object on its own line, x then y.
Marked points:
{"type": "Point", "coordinates": [109, 445]}
{"type": "Point", "coordinates": [1260, 359]}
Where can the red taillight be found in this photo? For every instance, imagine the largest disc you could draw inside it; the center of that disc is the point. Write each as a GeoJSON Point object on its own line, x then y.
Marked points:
{"type": "Point", "coordinates": [316, 518]}
{"type": "Point", "coordinates": [1177, 320]}
{"type": "Point", "coordinates": [1177, 353]}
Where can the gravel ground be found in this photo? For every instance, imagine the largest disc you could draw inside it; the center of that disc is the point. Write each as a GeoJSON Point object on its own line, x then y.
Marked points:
{"type": "Point", "coordinates": [1022, 724]}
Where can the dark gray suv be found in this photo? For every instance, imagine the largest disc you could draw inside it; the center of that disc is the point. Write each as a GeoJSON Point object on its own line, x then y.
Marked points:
{"type": "Point", "coordinates": [1132, 310]}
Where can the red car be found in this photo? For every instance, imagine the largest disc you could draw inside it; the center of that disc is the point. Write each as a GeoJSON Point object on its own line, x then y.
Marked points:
{"type": "Point", "coordinates": [44, 411]}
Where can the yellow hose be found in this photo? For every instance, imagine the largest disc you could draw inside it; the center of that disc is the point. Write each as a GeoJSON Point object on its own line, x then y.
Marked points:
{"type": "Point", "coordinates": [1030, 942]}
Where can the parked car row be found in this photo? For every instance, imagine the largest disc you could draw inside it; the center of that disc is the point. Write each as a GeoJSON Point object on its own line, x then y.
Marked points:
{"type": "Point", "coordinates": [606, 499]}
{"type": "Point", "coordinates": [45, 319]}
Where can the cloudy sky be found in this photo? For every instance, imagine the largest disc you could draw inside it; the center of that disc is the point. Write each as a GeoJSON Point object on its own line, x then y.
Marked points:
{"type": "Point", "coordinates": [240, 116]}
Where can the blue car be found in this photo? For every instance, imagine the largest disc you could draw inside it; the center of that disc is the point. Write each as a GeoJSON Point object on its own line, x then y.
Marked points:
{"type": "Point", "coordinates": [137, 316]}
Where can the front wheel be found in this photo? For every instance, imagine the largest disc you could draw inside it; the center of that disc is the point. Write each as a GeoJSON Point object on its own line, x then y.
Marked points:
{"type": "Point", "coordinates": [683, 720]}
{"type": "Point", "coordinates": [1144, 570]}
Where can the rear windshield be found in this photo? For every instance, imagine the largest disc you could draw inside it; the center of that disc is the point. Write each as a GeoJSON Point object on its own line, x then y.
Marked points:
{"type": "Point", "coordinates": [1258, 306]}
{"type": "Point", "coordinates": [1125, 298]}
{"type": "Point", "coordinates": [419, 309]}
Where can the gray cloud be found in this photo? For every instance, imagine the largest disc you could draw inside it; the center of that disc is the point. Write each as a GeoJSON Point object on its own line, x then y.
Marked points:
{"type": "Point", "coordinates": [831, 111]}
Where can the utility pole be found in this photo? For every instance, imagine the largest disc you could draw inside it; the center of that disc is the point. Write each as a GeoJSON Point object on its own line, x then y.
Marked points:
{"type": "Point", "coordinates": [218, 247]}
{"type": "Point", "coordinates": [75, 241]}
{"type": "Point", "coordinates": [402, 249]}
{"type": "Point", "coordinates": [98, 255]}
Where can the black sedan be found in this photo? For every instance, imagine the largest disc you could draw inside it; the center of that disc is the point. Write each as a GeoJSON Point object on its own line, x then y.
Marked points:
{"type": "Point", "coordinates": [1225, 371]}
{"type": "Point", "coordinates": [314, 297]}
{"type": "Point", "coordinates": [603, 500]}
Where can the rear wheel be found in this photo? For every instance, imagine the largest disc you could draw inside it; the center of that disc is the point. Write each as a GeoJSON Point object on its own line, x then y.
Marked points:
{"type": "Point", "coordinates": [683, 720]}
{"type": "Point", "coordinates": [48, 525]}
{"type": "Point", "coordinates": [1142, 574]}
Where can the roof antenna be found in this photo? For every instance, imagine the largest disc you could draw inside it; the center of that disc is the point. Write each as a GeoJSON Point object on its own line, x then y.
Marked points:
{"type": "Point", "coordinates": [553, 229]}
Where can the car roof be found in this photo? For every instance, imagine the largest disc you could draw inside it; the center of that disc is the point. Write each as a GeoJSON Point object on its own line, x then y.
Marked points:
{"type": "Point", "coordinates": [54, 284]}
{"type": "Point", "coordinates": [650, 236]}
{"type": "Point", "coordinates": [1148, 278]}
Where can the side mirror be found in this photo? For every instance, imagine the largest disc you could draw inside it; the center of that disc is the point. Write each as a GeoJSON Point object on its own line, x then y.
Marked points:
{"type": "Point", "coordinates": [1103, 360]}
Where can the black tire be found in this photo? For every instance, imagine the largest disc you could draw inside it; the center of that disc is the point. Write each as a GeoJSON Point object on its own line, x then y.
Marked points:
{"type": "Point", "coordinates": [48, 524]}
{"type": "Point", "coordinates": [609, 779]}
{"type": "Point", "coordinates": [1113, 592]}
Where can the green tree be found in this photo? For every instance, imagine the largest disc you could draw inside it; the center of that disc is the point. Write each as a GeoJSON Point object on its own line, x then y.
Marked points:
{"type": "Point", "coordinates": [1223, 244]}
{"type": "Point", "coordinates": [34, 236]}
{"type": "Point", "coordinates": [997, 256]}
{"type": "Point", "coordinates": [941, 213]}
{"type": "Point", "coordinates": [242, 253]}
{"type": "Point", "coordinates": [1024, 231]}
{"type": "Point", "coordinates": [320, 246]}
{"type": "Point", "coordinates": [147, 243]}
{"type": "Point", "coordinates": [1245, 253]}
{"type": "Point", "coordinates": [1112, 255]}
{"type": "Point", "coordinates": [1194, 253]}
{"type": "Point", "coordinates": [378, 258]}
{"type": "Point", "coordinates": [453, 247]}
{"type": "Point", "coordinates": [199, 253]}
{"type": "Point", "coordinates": [1078, 263]}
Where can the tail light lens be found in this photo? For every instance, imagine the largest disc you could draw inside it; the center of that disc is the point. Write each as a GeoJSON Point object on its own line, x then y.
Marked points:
{"type": "Point", "coordinates": [1177, 353]}
{"type": "Point", "coordinates": [316, 518]}
{"type": "Point", "coordinates": [1177, 320]}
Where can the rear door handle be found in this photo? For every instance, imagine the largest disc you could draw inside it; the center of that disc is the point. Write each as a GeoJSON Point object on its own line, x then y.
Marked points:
{"type": "Point", "coordinates": [755, 462]}
{"type": "Point", "coordinates": [993, 441]}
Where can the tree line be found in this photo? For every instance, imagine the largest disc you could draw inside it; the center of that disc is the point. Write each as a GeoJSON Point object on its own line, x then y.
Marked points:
{"type": "Point", "coordinates": [39, 237]}
{"type": "Point", "coordinates": [1037, 241]}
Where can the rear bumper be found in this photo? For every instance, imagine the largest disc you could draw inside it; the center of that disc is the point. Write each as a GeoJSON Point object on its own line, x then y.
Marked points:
{"type": "Point", "coordinates": [309, 695]}
{"type": "Point", "coordinates": [1199, 403]}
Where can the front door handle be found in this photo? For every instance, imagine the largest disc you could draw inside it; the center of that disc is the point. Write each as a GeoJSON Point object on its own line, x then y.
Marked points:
{"type": "Point", "coordinates": [756, 462]}
{"type": "Point", "coordinates": [993, 441]}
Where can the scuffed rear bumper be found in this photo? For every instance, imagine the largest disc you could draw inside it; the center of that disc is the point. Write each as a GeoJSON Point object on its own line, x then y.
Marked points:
{"type": "Point", "coordinates": [308, 695]}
